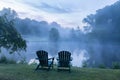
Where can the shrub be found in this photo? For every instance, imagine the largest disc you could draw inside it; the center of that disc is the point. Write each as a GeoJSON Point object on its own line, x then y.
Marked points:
{"type": "Point", "coordinates": [84, 64]}
{"type": "Point", "coordinates": [116, 65]}
{"type": "Point", "coordinates": [4, 60]}
{"type": "Point", "coordinates": [102, 66]}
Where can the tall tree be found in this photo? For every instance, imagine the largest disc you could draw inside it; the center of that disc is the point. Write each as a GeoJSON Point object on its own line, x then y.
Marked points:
{"type": "Point", "coordinates": [105, 24]}
{"type": "Point", "coordinates": [54, 34]}
{"type": "Point", "coordinates": [104, 27]}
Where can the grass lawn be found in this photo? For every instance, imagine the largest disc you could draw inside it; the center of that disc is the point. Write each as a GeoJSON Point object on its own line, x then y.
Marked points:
{"type": "Point", "coordinates": [26, 72]}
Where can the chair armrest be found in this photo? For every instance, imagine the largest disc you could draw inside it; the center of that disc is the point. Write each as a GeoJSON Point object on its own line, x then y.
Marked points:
{"type": "Point", "coordinates": [57, 59]}
{"type": "Point", "coordinates": [42, 59]}
{"type": "Point", "coordinates": [36, 58]}
{"type": "Point", "coordinates": [71, 58]}
{"type": "Point", "coordinates": [51, 58]}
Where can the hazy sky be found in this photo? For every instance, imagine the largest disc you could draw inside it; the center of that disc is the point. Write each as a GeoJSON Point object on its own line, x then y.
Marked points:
{"type": "Point", "coordinates": [68, 13]}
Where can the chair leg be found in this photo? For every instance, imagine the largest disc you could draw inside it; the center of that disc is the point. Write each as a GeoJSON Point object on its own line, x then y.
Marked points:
{"type": "Point", "coordinates": [48, 68]}
{"type": "Point", "coordinates": [58, 69]}
{"type": "Point", "coordinates": [37, 67]}
{"type": "Point", "coordinates": [51, 65]}
{"type": "Point", "coordinates": [69, 70]}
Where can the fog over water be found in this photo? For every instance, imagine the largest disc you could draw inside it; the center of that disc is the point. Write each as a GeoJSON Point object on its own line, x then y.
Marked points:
{"type": "Point", "coordinates": [78, 53]}
{"type": "Point", "coordinates": [97, 44]}
{"type": "Point", "coordinates": [92, 53]}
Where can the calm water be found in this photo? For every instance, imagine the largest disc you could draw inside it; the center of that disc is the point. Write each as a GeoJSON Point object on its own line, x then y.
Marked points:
{"type": "Point", "coordinates": [95, 53]}
{"type": "Point", "coordinates": [79, 54]}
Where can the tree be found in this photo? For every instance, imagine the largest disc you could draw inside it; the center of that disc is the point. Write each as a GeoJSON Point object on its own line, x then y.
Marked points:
{"type": "Point", "coordinates": [105, 24]}
{"type": "Point", "coordinates": [73, 35]}
{"type": "Point", "coordinates": [10, 39]}
{"type": "Point", "coordinates": [10, 14]}
{"type": "Point", "coordinates": [54, 34]}
{"type": "Point", "coordinates": [105, 30]}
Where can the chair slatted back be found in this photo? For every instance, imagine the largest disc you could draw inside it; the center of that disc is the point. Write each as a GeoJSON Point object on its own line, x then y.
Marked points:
{"type": "Point", "coordinates": [43, 57]}
{"type": "Point", "coordinates": [64, 58]}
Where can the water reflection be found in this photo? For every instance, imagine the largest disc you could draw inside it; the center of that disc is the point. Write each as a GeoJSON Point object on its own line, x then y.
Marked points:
{"type": "Point", "coordinates": [79, 54]}
{"type": "Point", "coordinates": [94, 54]}
{"type": "Point", "coordinates": [79, 57]}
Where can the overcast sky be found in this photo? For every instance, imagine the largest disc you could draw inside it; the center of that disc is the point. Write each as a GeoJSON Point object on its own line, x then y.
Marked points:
{"type": "Point", "coordinates": [68, 13]}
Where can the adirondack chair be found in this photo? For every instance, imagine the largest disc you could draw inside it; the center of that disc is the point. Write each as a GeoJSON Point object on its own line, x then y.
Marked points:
{"type": "Point", "coordinates": [45, 63]}
{"type": "Point", "coordinates": [64, 60]}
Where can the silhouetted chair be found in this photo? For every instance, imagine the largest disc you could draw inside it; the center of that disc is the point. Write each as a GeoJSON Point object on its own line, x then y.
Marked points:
{"type": "Point", "coordinates": [64, 60]}
{"type": "Point", "coordinates": [44, 62]}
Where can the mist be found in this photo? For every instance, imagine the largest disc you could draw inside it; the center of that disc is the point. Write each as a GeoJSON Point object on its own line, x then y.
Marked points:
{"type": "Point", "coordinates": [51, 37]}
{"type": "Point", "coordinates": [97, 44]}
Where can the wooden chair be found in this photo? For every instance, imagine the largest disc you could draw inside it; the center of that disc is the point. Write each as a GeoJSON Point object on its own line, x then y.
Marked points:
{"type": "Point", "coordinates": [64, 60]}
{"type": "Point", "coordinates": [44, 62]}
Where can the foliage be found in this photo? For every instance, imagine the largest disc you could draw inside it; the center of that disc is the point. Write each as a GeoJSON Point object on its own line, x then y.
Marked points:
{"type": "Point", "coordinates": [104, 30]}
{"type": "Point", "coordinates": [54, 34]}
{"type": "Point", "coordinates": [105, 24]}
{"type": "Point", "coordinates": [4, 60]}
{"type": "Point", "coordinates": [73, 34]}
{"type": "Point", "coordinates": [102, 66]}
{"type": "Point", "coordinates": [84, 65]}
{"type": "Point", "coordinates": [9, 37]}
{"type": "Point", "coordinates": [116, 65]}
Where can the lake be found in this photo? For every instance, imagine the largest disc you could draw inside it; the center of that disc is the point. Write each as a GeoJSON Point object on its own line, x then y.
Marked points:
{"type": "Point", "coordinates": [94, 53]}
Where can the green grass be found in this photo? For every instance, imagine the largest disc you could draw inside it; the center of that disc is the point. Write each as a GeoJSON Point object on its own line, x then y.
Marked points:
{"type": "Point", "coordinates": [26, 72]}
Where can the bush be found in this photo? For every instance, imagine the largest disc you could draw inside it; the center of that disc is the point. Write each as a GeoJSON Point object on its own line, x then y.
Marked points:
{"type": "Point", "coordinates": [4, 60]}
{"type": "Point", "coordinates": [116, 65]}
{"type": "Point", "coordinates": [102, 66]}
{"type": "Point", "coordinates": [84, 64]}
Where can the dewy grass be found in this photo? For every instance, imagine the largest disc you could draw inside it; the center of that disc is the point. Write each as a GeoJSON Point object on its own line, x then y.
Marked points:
{"type": "Point", "coordinates": [26, 72]}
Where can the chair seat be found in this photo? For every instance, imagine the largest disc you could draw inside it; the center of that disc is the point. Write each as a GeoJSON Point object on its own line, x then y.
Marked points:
{"type": "Point", "coordinates": [64, 60]}
{"type": "Point", "coordinates": [44, 61]}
